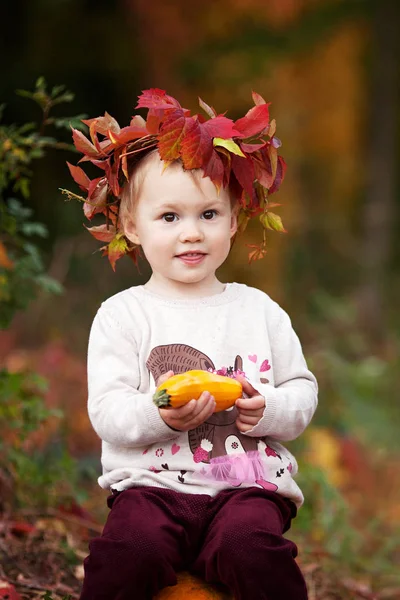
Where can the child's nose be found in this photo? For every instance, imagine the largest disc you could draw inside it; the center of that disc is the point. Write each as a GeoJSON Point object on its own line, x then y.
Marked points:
{"type": "Point", "coordinates": [191, 233]}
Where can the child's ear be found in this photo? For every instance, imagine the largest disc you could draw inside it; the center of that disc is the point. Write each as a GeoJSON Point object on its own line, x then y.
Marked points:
{"type": "Point", "coordinates": [131, 233]}
{"type": "Point", "coordinates": [234, 222]}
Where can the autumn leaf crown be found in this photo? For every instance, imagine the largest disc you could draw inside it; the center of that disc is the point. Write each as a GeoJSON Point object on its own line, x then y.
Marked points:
{"type": "Point", "coordinates": [242, 155]}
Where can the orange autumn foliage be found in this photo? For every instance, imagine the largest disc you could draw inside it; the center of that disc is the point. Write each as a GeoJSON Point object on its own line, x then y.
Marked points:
{"type": "Point", "coordinates": [192, 587]}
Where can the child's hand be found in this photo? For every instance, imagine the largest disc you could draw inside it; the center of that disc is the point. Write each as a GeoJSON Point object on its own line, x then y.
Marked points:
{"type": "Point", "coordinates": [189, 416]}
{"type": "Point", "coordinates": [250, 409]}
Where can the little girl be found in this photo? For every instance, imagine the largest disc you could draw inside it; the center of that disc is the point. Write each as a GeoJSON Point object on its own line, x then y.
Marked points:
{"type": "Point", "coordinates": [209, 492]}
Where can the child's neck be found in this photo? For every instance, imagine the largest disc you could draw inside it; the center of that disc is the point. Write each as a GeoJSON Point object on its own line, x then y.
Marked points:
{"type": "Point", "coordinates": [177, 289]}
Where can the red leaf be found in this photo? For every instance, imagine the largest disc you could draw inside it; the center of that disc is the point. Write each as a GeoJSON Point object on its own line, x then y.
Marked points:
{"type": "Point", "coordinates": [82, 144]}
{"type": "Point", "coordinates": [112, 173]}
{"type": "Point", "coordinates": [214, 169]}
{"type": "Point", "coordinates": [156, 98]}
{"type": "Point", "coordinates": [79, 176]}
{"type": "Point", "coordinates": [196, 148]}
{"type": "Point", "coordinates": [262, 169]}
{"type": "Point", "coordinates": [21, 528]}
{"type": "Point", "coordinates": [254, 122]}
{"type": "Point", "coordinates": [7, 590]}
{"type": "Point", "coordinates": [154, 120]}
{"type": "Point", "coordinates": [97, 197]}
{"type": "Point", "coordinates": [98, 163]}
{"type": "Point", "coordinates": [170, 136]}
{"type": "Point", "coordinates": [280, 175]}
{"type": "Point", "coordinates": [127, 134]}
{"type": "Point", "coordinates": [102, 233]}
{"type": "Point", "coordinates": [250, 148]}
{"type": "Point", "coordinates": [221, 127]}
{"type": "Point", "coordinates": [244, 172]}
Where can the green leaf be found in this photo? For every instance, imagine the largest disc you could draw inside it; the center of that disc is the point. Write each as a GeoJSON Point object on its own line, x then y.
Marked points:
{"type": "Point", "coordinates": [33, 228]}
{"type": "Point", "coordinates": [50, 285]}
{"type": "Point", "coordinates": [270, 220]}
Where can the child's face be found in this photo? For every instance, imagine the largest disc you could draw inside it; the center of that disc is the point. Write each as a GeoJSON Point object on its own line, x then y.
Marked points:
{"type": "Point", "coordinates": [182, 225]}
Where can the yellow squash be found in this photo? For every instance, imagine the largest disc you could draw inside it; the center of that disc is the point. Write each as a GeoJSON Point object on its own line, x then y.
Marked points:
{"type": "Point", "coordinates": [180, 389]}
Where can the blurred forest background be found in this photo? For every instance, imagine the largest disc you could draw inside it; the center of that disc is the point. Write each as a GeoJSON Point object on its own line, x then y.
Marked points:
{"type": "Point", "coordinates": [331, 70]}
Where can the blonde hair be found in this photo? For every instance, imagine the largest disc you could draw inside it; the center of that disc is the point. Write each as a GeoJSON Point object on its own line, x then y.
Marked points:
{"type": "Point", "coordinates": [132, 188]}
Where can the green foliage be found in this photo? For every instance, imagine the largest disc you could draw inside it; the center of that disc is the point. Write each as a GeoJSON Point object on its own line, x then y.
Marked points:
{"type": "Point", "coordinates": [38, 476]}
{"type": "Point", "coordinates": [20, 283]}
{"type": "Point", "coordinates": [22, 270]}
{"type": "Point", "coordinates": [358, 382]}
{"type": "Point", "coordinates": [48, 596]}
{"type": "Point", "coordinates": [329, 522]}
{"type": "Point", "coordinates": [34, 473]}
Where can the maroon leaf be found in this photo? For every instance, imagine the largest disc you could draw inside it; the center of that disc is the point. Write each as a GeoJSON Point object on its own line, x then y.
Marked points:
{"type": "Point", "coordinates": [244, 172]}
{"type": "Point", "coordinates": [250, 148]}
{"type": "Point", "coordinates": [214, 169]}
{"type": "Point", "coordinates": [280, 175]}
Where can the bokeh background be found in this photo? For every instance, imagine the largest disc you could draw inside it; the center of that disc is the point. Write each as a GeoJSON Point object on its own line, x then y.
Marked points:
{"type": "Point", "coordinates": [330, 69]}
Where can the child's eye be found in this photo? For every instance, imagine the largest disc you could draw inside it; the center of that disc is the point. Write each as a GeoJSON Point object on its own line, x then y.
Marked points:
{"type": "Point", "coordinates": [209, 214]}
{"type": "Point", "coordinates": [169, 217]}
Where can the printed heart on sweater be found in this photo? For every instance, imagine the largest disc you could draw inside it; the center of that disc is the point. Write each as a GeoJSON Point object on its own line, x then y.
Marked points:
{"type": "Point", "coordinates": [253, 358]}
{"type": "Point", "coordinates": [165, 466]}
{"type": "Point", "coordinates": [265, 366]}
{"type": "Point", "coordinates": [175, 448]}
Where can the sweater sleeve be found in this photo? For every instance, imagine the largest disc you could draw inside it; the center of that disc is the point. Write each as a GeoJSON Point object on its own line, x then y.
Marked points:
{"type": "Point", "coordinates": [291, 403]}
{"type": "Point", "coordinates": [119, 413]}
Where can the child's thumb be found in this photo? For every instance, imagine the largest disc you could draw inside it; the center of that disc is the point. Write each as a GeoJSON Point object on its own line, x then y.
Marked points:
{"type": "Point", "coordinates": [164, 377]}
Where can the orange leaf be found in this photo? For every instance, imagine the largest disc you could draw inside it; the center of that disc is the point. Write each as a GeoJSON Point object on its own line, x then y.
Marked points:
{"type": "Point", "coordinates": [83, 145]}
{"type": "Point", "coordinates": [103, 124]}
{"type": "Point", "coordinates": [102, 232]}
{"type": "Point", "coordinates": [5, 261]}
{"type": "Point", "coordinates": [79, 176]}
{"type": "Point", "coordinates": [117, 248]}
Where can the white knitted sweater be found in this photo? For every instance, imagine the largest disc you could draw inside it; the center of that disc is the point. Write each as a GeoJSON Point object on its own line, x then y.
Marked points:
{"type": "Point", "coordinates": [137, 335]}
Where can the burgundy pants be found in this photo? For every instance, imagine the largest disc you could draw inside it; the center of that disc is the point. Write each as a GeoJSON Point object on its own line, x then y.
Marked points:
{"type": "Point", "coordinates": [234, 539]}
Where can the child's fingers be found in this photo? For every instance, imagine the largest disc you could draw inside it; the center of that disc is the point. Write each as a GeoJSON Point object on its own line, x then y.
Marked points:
{"type": "Point", "coordinates": [164, 377]}
{"type": "Point", "coordinates": [250, 404]}
{"type": "Point", "coordinates": [249, 419]}
{"type": "Point", "coordinates": [205, 410]}
{"type": "Point", "coordinates": [247, 387]}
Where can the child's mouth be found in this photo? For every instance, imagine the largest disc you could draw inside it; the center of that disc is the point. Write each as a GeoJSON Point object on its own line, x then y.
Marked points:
{"type": "Point", "coordinates": [191, 258]}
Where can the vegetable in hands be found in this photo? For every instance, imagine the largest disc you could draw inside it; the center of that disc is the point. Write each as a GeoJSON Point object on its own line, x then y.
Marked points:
{"type": "Point", "coordinates": [180, 389]}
